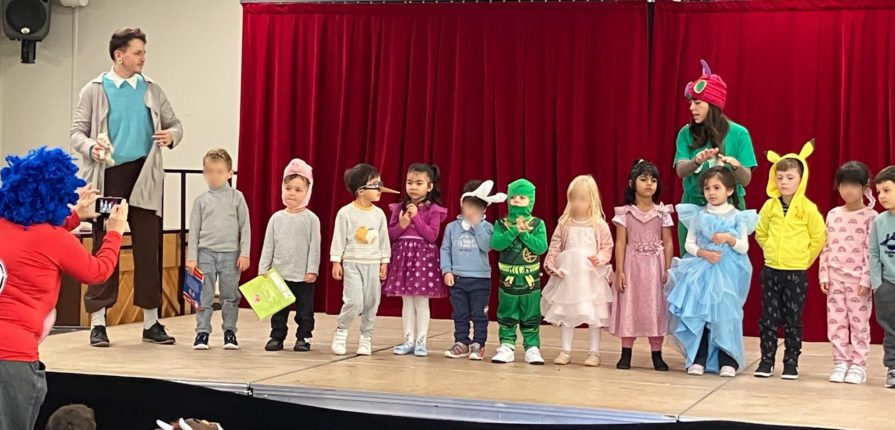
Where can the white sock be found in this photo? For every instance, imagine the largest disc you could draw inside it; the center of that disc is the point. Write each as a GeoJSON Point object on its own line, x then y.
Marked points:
{"type": "Point", "coordinates": [408, 317]}
{"type": "Point", "coordinates": [567, 333]}
{"type": "Point", "coordinates": [421, 305]}
{"type": "Point", "coordinates": [150, 317]}
{"type": "Point", "coordinates": [595, 333]}
{"type": "Point", "coordinates": [98, 318]}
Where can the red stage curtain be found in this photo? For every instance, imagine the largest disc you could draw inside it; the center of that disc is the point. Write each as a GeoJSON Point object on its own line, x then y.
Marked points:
{"type": "Point", "coordinates": [795, 70]}
{"type": "Point", "coordinates": [545, 91]}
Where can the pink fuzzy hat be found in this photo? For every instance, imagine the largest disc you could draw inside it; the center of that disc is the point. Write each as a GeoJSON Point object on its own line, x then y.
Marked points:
{"type": "Point", "coordinates": [298, 167]}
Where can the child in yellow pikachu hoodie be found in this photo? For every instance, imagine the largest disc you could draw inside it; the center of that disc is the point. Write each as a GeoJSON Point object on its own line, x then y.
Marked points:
{"type": "Point", "coordinates": [792, 233]}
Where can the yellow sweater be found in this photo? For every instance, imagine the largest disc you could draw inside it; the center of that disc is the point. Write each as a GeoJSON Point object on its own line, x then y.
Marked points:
{"type": "Point", "coordinates": [792, 241]}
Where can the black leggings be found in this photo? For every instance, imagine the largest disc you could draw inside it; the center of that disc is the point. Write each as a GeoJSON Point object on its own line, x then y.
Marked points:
{"type": "Point", "coordinates": [702, 354]}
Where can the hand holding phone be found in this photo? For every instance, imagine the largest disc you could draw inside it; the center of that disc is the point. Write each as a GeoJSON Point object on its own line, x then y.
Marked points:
{"type": "Point", "coordinates": [104, 205]}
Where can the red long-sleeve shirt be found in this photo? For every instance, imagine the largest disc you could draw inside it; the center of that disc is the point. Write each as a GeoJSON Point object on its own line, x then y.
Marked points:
{"type": "Point", "coordinates": [35, 259]}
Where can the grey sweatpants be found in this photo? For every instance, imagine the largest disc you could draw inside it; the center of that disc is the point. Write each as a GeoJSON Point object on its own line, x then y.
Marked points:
{"type": "Point", "coordinates": [218, 266]}
{"type": "Point", "coordinates": [23, 387]}
{"type": "Point", "coordinates": [360, 296]}
{"type": "Point", "coordinates": [885, 315]}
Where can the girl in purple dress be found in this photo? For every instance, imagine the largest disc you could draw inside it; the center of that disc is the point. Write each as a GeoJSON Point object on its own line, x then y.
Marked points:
{"type": "Point", "coordinates": [643, 253]}
{"type": "Point", "coordinates": [415, 270]}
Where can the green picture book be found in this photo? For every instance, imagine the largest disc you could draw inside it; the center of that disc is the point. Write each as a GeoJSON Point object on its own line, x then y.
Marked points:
{"type": "Point", "coordinates": [267, 294]}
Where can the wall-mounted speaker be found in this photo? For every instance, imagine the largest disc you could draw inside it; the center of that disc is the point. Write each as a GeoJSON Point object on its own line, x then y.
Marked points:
{"type": "Point", "coordinates": [28, 21]}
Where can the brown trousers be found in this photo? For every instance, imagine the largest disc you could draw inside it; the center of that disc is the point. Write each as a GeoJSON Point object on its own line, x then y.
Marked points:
{"type": "Point", "coordinates": [145, 227]}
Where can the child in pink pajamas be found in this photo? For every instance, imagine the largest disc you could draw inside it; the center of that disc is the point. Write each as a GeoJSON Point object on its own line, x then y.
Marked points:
{"type": "Point", "coordinates": [845, 274]}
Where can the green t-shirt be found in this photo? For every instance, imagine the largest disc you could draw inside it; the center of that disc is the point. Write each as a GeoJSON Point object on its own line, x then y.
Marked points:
{"type": "Point", "coordinates": [737, 144]}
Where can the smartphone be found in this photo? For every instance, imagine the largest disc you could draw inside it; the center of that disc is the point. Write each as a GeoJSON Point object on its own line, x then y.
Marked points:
{"type": "Point", "coordinates": [104, 205]}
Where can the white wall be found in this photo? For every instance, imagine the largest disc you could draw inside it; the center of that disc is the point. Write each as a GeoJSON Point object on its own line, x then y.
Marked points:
{"type": "Point", "coordinates": [193, 52]}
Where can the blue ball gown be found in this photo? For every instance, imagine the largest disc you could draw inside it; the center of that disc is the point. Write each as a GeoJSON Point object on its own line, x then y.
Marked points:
{"type": "Point", "coordinates": [705, 295]}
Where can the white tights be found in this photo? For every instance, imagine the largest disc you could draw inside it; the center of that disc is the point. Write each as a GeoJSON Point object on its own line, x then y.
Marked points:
{"type": "Point", "coordinates": [567, 333]}
{"type": "Point", "coordinates": [415, 315]}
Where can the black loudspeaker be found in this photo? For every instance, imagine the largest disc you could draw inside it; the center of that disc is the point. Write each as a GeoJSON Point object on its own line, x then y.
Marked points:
{"type": "Point", "coordinates": [28, 21]}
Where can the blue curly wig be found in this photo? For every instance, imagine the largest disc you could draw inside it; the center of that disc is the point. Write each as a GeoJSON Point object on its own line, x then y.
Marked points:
{"type": "Point", "coordinates": [39, 187]}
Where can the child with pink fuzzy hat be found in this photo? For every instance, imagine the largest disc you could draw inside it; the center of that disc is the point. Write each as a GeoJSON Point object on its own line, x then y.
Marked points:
{"type": "Point", "coordinates": [292, 246]}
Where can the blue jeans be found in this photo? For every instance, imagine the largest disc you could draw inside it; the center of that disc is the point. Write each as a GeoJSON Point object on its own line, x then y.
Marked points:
{"type": "Point", "coordinates": [219, 267]}
{"type": "Point", "coordinates": [469, 299]}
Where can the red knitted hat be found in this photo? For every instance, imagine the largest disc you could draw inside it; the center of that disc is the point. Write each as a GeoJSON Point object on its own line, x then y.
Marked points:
{"type": "Point", "coordinates": [709, 88]}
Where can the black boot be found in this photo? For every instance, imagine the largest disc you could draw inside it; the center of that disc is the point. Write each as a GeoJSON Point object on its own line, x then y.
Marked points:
{"type": "Point", "coordinates": [625, 361]}
{"type": "Point", "coordinates": [658, 363]}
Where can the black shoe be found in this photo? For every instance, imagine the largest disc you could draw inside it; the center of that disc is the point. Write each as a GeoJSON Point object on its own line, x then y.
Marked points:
{"type": "Point", "coordinates": [201, 342]}
{"type": "Point", "coordinates": [274, 345]}
{"type": "Point", "coordinates": [302, 345]}
{"type": "Point", "coordinates": [156, 334]}
{"type": "Point", "coordinates": [790, 371]}
{"type": "Point", "coordinates": [230, 340]}
{"type": "Point", "coordinates": [658, 363]}
{"type": "Point", "coordinates": [765, 369]}
{"type": "Point", "coordinates": [98, 337]}
{"type": "Point", "coordinates": [625, 361]}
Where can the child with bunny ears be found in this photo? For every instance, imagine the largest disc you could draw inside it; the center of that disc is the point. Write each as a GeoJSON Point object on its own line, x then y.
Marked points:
{"type": "Point", "coordinates": [466, 269]}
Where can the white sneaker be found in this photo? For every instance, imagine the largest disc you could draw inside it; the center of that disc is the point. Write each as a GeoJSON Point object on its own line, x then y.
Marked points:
{"type": "Point", "coordinates": [728, 372]}
{"type": "Point", "coordinates": [696, 369]}
{"type": "Point", "coordinates": [505, 354]}
{"type": "Point", "coordinates": [838, 374]}
{"type": "Point", "coordinates": [533, 356]}
{"type": "Point", "coordinates": [365, 345]}
{"type": "Point", "coordinates": [339, 341]}
{"type": "Point", "coordinates": [856, 375]}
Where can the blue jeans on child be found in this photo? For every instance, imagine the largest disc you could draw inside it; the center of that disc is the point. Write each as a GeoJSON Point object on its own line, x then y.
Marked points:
{"type": "Point", "coordinates": [219, 267]}
{"type": "Point", "coordinates": [469, 299]}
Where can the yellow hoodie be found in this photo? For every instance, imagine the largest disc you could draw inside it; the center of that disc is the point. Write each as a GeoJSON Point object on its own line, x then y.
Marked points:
{"type": "Point", "coordinates": [792, 241]}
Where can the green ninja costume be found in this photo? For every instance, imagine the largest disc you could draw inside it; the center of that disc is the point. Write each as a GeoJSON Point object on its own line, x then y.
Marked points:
{"type": "Point", "coordinates": [519, 296]}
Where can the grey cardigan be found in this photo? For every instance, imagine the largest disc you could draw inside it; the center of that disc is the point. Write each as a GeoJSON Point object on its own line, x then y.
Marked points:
{"type": "Point", "coordinates": [90, 120]}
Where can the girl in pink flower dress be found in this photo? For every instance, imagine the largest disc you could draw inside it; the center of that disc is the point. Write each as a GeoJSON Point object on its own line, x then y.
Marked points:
{"type": "Point", "coordinates": [643, 253]}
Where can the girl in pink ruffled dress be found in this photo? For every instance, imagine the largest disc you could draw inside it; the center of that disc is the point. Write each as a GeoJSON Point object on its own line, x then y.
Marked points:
{"type": "Point", "coordinates": [578, 264]}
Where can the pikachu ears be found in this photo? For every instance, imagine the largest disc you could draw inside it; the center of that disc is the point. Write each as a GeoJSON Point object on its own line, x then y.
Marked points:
{"type": "Point", "coordinates": [807, 150]}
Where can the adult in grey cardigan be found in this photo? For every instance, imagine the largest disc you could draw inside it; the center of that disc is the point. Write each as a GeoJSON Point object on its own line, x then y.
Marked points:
{"type": "Point", "coordinates": [139, 178]}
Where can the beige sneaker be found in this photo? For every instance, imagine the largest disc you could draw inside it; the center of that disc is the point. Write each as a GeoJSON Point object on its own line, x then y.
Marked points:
{"type": "Point", "coordinates": [593, 360]}
{"type": "Point", "coordinates": [563, 358]}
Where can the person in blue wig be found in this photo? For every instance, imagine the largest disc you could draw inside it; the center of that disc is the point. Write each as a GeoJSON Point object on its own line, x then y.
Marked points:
{"type": "Point", "coordinates": [41, 202]}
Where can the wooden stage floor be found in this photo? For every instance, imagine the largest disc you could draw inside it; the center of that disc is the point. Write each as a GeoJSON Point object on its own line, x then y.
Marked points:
{"type": "Point", "coordinates": [427, 384]}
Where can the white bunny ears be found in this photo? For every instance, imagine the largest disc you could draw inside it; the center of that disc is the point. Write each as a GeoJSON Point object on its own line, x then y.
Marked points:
{"type": "Point", "coordinates": [181, 424]}
{"type": "Point", "coordinates": [482, 192]}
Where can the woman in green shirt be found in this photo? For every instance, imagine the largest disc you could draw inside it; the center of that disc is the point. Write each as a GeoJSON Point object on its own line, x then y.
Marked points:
{"type": "Point", "coordinates": [710, 139]}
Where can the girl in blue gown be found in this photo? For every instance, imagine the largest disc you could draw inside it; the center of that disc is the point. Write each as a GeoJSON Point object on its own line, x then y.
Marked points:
{"type": "Point", "coordinates": [708, 287]}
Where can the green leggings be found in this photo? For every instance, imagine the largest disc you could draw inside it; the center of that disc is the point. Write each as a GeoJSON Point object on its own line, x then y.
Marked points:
{"type": "Point", "coordinates": [519, 310]}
